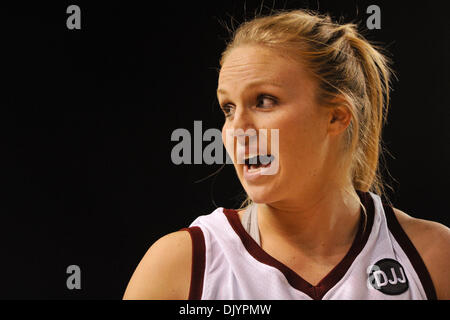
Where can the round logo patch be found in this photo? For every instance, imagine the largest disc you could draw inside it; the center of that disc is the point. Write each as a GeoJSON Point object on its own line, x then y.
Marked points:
{"type": "Point", "coordinates": [387, 276]}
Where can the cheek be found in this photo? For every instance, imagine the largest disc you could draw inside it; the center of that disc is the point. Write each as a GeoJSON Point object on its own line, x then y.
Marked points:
{"type": "Point", "coordinates": [300, 140]}
{"type": "Point", "coordinates": [229, 142]}
{"type": "Point", "coordinates": [226, 140]}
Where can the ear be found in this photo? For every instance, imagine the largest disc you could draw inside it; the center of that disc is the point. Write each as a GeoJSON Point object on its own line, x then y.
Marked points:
{"type": "Point", "coordinates": [339, 116]}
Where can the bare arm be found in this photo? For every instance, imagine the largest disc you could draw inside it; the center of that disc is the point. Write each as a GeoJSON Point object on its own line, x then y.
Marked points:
{"type": "Point", "coordinates": [164, 272]}
{"type": "Point", "coordinates": [432, 241]}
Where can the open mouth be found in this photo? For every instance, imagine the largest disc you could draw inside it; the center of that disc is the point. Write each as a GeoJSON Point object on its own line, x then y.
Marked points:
{"type": "Point", "coordinates": [259, 161]}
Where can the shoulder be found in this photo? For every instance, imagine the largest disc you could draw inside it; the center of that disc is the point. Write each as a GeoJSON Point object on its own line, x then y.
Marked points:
{"type": "Point", "coordinates": [432, 241]}
{"type": "Point", "coordinates": [165, 270]}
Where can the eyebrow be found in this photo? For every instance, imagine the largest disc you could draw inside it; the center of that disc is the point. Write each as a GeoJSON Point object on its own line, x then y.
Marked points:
{"type": "Point", "coordinates": [254, 84]}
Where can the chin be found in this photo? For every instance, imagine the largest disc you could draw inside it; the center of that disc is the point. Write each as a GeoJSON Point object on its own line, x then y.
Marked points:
{"type": "Point", "coordinates": [261, 194]}
{"type": "Point", "coordinates": [262, 189]}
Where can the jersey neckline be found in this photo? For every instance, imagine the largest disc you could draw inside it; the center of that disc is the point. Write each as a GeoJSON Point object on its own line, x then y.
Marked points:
{"type": "Point", "coordinates": [316, 292]}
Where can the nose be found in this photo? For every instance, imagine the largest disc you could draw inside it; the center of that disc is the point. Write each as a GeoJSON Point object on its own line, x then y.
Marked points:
{"type": "Point", "coordinates": [241, 134]}
{"type": "Point", "coordinates": [242, 120]}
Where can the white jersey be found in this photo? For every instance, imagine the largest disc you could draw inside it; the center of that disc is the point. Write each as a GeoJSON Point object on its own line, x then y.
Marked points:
{"type": "Point", "coordinates": [382, 262]}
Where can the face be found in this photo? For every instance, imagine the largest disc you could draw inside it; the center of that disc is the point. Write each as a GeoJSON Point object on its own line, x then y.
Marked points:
{"type": "Point", "coordinates": [258, 88]}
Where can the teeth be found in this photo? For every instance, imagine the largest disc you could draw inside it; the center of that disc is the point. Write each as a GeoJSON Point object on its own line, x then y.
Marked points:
{"type": "Point", "coordinates": [258, 160]}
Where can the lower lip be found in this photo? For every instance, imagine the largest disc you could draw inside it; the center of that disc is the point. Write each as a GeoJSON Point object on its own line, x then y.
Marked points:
{"type": "Point", "coordinates": [251, 176]}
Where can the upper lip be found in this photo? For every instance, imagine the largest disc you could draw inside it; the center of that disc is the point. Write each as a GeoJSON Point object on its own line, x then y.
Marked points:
{"type": "Point", "coordinates": [263, 159]}
{"type": "Point", "coordinates": [244, 157]}
{"type": "Point", "coordinates": [248, 156]}
{"type": "Point", "coordinates": [249, 151]}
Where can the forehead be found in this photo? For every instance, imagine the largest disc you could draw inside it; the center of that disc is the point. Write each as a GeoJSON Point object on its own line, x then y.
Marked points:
{"type": "Point", "coordinates": [257, 63]}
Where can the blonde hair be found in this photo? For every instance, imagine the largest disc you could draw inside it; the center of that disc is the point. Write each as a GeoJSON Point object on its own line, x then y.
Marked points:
{"type": "Point", "coordinates": [346, 65]}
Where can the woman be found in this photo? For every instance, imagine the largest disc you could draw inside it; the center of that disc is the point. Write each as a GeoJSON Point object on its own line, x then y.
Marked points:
{"type": "Point", "coordinates": [316, 228]}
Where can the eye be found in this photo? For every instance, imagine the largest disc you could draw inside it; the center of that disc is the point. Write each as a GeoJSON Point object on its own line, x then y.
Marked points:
{"type": "Point", "coordinates": [265, 101]}
{"type": "Point", "coordinates": [227, 110]}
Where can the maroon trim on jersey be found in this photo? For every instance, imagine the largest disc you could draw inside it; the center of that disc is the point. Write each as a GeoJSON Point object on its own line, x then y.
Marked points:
{"type": "Point", "coordinates": [411, 251]}
{"type": "Point", "coordinates": [329, 281]}
{"type": "Point", "coordinates": [198, 262]}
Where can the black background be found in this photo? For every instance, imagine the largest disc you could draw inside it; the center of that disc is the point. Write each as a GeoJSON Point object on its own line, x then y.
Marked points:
{"type": "Point", "coordinates": [87, 116]}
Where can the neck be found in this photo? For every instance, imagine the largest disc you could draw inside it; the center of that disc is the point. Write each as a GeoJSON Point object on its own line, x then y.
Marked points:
{"type": "Point", "coordinates": [320, 223]}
